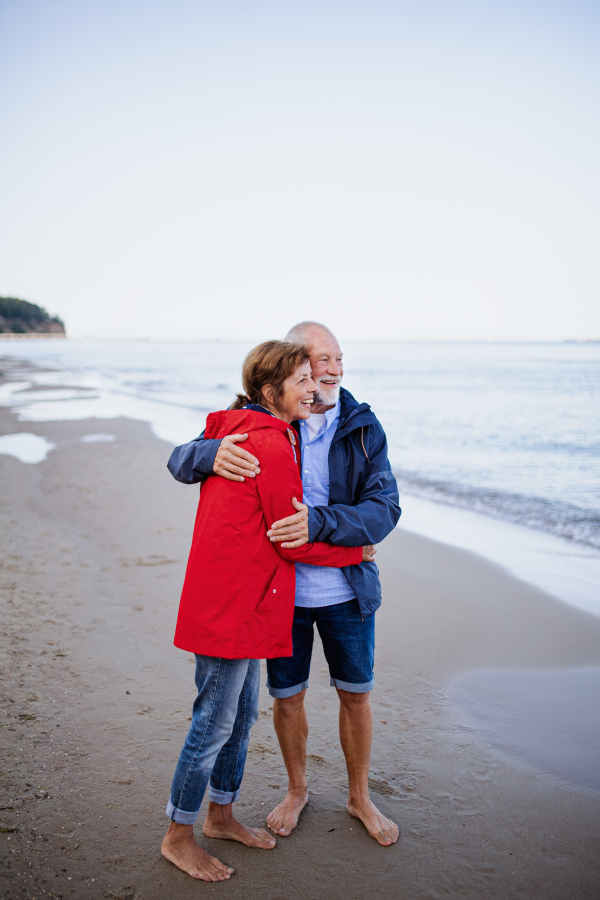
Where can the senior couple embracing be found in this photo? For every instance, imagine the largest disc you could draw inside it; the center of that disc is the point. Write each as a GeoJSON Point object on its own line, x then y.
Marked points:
{"type": "Point", "coordinates": [263, 569]}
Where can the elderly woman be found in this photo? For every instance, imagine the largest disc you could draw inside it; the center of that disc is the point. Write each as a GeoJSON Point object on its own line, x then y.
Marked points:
{"type": "Point", "coordinates": [237, 602]}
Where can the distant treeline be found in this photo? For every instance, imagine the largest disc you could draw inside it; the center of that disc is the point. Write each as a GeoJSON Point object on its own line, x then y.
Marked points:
{"type": "Point", "coordinates": [22, 317]}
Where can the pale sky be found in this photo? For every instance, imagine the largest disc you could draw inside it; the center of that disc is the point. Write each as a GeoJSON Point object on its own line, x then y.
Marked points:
{"type": "Point", "coordinates": [186, 169]}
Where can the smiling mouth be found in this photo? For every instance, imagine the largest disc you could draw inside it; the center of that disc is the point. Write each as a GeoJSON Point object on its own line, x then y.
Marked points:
{"type": "Point", "coordinates": [307, 402]}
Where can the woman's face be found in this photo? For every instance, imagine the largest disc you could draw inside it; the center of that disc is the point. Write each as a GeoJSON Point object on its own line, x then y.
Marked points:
{"type": "Point", "coordinates": [298, 392]}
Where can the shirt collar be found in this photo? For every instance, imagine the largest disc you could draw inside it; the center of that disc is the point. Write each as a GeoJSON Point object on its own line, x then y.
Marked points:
{"type": "Point", "coordinates": [331, 416]}
{"type": "Point", "coordinates": [334, 413]}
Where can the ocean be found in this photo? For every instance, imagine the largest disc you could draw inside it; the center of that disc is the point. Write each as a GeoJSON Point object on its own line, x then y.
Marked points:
{"type": "Point", "coordinates": [508, 431]}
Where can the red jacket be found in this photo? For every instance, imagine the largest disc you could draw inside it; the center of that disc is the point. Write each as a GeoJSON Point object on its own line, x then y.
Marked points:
{"type": "Point", "coordinates": [238, 595]}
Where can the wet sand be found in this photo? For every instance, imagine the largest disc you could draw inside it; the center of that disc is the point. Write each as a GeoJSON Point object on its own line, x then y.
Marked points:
{"type": "Point", "coordinates": [96, 702]}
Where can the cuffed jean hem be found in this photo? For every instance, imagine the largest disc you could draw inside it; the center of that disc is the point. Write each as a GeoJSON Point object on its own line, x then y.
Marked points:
{"type": "Point", "coordinates": [180, 815]}
{"type": "Point", "coordinates": [280, 693]}
{"type": "Point", "coordinates": [222, 797]}
{"type": "Point", "coordinates": [353, 688]}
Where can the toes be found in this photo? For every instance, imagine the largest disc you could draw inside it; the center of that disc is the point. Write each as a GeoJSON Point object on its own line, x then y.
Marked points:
{"type": "Point", "coordinates": [280, 826]}
{"type": "Point", "coordinates": [263, 838]}
{"type": "Point", "coordinates": [380, 836]}
{"type": "Point", "coordinates": [219, 875]}
{"type": "Point", "coordinates": [388, 834]}
{"type": "Point", "coordinates": [392, 831]}
{"type": "Point", "coordinates": [221, 869]}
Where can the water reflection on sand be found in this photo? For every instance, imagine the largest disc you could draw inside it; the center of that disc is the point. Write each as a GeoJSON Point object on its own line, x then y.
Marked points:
{"type": "Point", "coordinates": [549, 718]}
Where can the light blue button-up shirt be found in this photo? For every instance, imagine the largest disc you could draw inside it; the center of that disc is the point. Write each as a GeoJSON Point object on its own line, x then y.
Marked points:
{"type": "Point", "coordinates": [319, 585]}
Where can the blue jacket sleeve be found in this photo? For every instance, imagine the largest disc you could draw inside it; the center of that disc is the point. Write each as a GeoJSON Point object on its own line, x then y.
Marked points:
{"type": "Point", "coordinates": [373, 516]}
{"type": "Point", "coordinates": [193, 462]}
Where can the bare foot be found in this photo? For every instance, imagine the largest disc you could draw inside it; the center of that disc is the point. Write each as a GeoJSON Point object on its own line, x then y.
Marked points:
{"type": "Point", "coordinates": [179, 847]}
{"type": "Point", "coordinates": [284, 817]}
{"type": "Point", "coordinates": [221, 824]}
{"type": "Point", "coordinates": [379, 827]}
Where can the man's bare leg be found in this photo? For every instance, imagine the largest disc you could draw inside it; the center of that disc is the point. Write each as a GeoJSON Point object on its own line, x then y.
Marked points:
{"type": "Point", "coordinates": [356, 737]}
{"type": "Point", "coordinates": [220, 823]}
{"type": "Point", "coordinates": [179, 847]}
{"type": "Point", "coordinates": [291, 727]}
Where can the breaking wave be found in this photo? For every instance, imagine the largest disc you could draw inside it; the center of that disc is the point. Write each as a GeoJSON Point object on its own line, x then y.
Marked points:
{"type": "Point", "coordinates": [556, 517]}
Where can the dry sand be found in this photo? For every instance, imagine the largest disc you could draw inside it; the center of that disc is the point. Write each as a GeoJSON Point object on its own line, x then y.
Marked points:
{"type": "Point", "coordinates": [96, 703]}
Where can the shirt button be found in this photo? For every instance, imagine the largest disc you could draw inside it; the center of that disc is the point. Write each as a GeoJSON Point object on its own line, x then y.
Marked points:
{"type": "Point", "coordinates": [274, 590]}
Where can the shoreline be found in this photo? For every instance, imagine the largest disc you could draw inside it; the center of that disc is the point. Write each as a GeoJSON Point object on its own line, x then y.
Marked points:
{"type": "Point", "coordinates": [567, 569]}
{"type": "Point", "coordinates": [34, 335]}
{"type": "Point", "coordinates": [97, 699]}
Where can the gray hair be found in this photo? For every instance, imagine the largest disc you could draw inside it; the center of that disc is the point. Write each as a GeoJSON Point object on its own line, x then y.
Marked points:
{"type": "Point", "coordinates": [298, 334]}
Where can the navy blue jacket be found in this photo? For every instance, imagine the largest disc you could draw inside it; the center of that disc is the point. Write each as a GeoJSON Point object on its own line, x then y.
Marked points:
{"type": "Point", "coordinates": [363, 494]}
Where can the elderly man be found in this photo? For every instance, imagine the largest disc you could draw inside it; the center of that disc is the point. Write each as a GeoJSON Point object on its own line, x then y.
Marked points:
{"type": "Point", "coordinates": [352, 500]}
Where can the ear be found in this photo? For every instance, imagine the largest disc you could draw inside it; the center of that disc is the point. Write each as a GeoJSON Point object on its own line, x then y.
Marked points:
{"type": "Point", "coordinates": [268, 393]}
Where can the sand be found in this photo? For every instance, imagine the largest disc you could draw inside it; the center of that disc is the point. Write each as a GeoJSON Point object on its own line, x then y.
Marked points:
{"type": "Point", "coordinates": [96, 702]}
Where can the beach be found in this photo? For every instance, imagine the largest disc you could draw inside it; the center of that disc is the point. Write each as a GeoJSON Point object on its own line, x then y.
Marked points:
{"type": "Point", "coordinates": [96, 702]}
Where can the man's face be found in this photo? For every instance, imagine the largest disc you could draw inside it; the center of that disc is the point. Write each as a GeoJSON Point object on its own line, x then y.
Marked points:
{"type": "Point", "coordinates": [326, 365]}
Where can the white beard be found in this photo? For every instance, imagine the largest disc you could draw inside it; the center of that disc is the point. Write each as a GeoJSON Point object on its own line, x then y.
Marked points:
{"type": "Point", "coordinates": [328, 396]}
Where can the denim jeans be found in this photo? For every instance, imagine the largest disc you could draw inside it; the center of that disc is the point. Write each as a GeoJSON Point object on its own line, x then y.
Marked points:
{"type": "Point", "coordinates": [215, 749]}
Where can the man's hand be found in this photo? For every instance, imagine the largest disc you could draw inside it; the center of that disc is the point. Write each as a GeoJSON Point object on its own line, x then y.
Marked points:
{"type": "Point", "coordinates": [369, 551]}
{"type": "Point", "coordinates": [235, 463]}
{"type": "Point", "coordinates": [293, 530]}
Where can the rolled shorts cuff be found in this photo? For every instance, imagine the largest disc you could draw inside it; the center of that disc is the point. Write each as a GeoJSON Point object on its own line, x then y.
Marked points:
{"type": "Point", "coordinates": [180, 815]}
{"type": "Point", "coordinates": [222, 797]}
{"type": "Point", "coordinates": [280, 693]}
{"type": "Point", "coordinates": [353, 688]}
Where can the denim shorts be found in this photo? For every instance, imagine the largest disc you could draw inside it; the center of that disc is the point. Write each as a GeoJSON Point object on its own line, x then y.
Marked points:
{"type": "Point", "coordinates": [348, 642]}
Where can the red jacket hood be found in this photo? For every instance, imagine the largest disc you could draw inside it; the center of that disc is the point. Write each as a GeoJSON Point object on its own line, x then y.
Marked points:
{"type": "Point", "coordinates": [239, 421]}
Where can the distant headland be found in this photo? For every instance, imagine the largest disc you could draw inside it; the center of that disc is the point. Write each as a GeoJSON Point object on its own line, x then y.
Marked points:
{"type": "Point", "coordinates": [19, 318]}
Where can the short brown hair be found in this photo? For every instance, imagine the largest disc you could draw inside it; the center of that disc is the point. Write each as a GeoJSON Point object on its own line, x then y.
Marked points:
{"type": "Point", "coordinates": [272, 362]}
